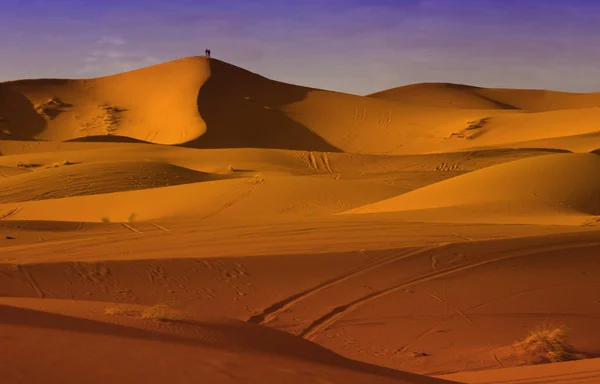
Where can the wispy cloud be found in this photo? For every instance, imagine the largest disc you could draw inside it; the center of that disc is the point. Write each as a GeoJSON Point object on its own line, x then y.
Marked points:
{"type": "Point", "coordinates": [112, 54]}
{"type": "Point", "coordinates": [111, 40]}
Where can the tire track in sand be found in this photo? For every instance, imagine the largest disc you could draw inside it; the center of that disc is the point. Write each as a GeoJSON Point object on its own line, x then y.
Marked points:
{"type": "Point", "coordinates": [271, 312]}
{"type": "Point", "coordinates": [9, 213]}
{"type": "Point", "coordinates": [337, 313]}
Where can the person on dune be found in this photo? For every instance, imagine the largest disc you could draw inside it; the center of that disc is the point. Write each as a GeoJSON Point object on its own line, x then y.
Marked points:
{"type": "Point", "coordinates": [207, 53]}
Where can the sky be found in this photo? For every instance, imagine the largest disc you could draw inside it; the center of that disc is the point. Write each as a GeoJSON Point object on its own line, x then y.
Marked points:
{"type": "Point", "coordinates": [353, 46]}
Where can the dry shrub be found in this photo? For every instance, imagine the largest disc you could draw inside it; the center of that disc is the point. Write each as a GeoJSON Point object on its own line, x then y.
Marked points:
{"type": "Point", "coordinates": [548, 343]}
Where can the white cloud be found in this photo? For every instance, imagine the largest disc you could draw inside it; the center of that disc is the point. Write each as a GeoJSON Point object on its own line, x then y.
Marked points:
{"type": "Point", "coordinates": [111, 40]}
{"type": "Point", "coordinates": [111, 54]}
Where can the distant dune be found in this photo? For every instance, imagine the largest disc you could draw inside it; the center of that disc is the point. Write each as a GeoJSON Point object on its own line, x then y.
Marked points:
{"type": "Point", "coordinates": [447, 95]}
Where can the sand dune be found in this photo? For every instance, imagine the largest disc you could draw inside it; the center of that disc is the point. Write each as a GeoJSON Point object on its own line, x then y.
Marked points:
{"type": "Point", "coordinates": [449, 95]}
{"type": "Point", "coordinates": [420, 229]}
{"type": "Point", "coordinates": [156, 104]}
{"type": "Point", "coordinates": [542, 189]}
{"type": "Point", "coordinates": [212, 104]}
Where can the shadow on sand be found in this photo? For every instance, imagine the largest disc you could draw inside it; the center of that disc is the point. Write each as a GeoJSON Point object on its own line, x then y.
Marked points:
{"type": "Point", "coordinates": [244, 110]}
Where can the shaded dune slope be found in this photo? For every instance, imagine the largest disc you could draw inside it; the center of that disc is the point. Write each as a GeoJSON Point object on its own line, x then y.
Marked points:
{"type": "Point", "coordinates": [242, 109]}
{"type": "Point", "coordinates": [219, 352]}
{"type": "Point", "coordinates": [18, 118]}
{"type": "Point", "coordinates": [96, 178]}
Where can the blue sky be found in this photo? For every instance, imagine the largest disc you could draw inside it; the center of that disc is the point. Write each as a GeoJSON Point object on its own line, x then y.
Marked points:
{"type": "Point", "coordinates": [355, 46]}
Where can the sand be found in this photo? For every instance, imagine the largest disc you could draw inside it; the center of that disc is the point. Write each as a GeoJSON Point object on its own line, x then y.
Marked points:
{"type": "Point", "coordinates": [196, 221]}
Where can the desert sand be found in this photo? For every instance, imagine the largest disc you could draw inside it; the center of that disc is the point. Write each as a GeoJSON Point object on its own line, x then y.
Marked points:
{"type": "Point", "coordinates": [196, 222]}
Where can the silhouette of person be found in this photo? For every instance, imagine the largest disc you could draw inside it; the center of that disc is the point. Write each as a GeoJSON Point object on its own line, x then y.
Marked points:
{"type": "Point", "coordinates": [207, 53]}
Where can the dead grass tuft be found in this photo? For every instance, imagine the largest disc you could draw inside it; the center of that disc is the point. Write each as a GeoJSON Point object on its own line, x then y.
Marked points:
{"type": "Point", "coordinates": [132, 217]}
{"type": "Point", "coordinates": [548, 343]}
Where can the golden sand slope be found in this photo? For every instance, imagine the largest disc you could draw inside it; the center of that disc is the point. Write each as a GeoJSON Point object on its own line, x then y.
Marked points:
{"type": "Point", "coordinates": [147, 182]}
{"type": "Point", "coordinates": [542, 189]}
{"type": "Point", "coordinates": [155, 104]}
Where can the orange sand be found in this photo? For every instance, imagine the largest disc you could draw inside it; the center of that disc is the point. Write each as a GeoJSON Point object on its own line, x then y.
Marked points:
{"type": "Point", "coordinates": [193, 221]}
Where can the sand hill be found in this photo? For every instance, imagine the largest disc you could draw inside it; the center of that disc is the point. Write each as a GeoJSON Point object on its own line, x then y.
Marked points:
{"type": "Point", "coordinates": [195, 214]}
{"type": "Point", "coordinates": [523, 191]}
{"type": "Point", "coordinates": [449, 95]}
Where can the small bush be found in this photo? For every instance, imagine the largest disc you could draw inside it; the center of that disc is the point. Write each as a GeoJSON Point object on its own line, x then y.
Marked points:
{"type": "Point", "coordinates": [549, 343]}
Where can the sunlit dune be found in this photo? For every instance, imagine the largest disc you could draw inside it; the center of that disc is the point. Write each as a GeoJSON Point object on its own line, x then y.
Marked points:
{"type": "Point", "coordinates": [545, 189]}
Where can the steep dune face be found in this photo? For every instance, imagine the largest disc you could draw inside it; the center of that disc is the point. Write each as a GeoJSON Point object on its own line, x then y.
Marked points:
{"type": "Point", "coordinates": [245, 110]}
{"type": "Point", "coordinates": [449, 95]}
{"type": "Point", "coordinates": [18, 118]}
{"type": "Point", "coordinates": [547, 186]}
